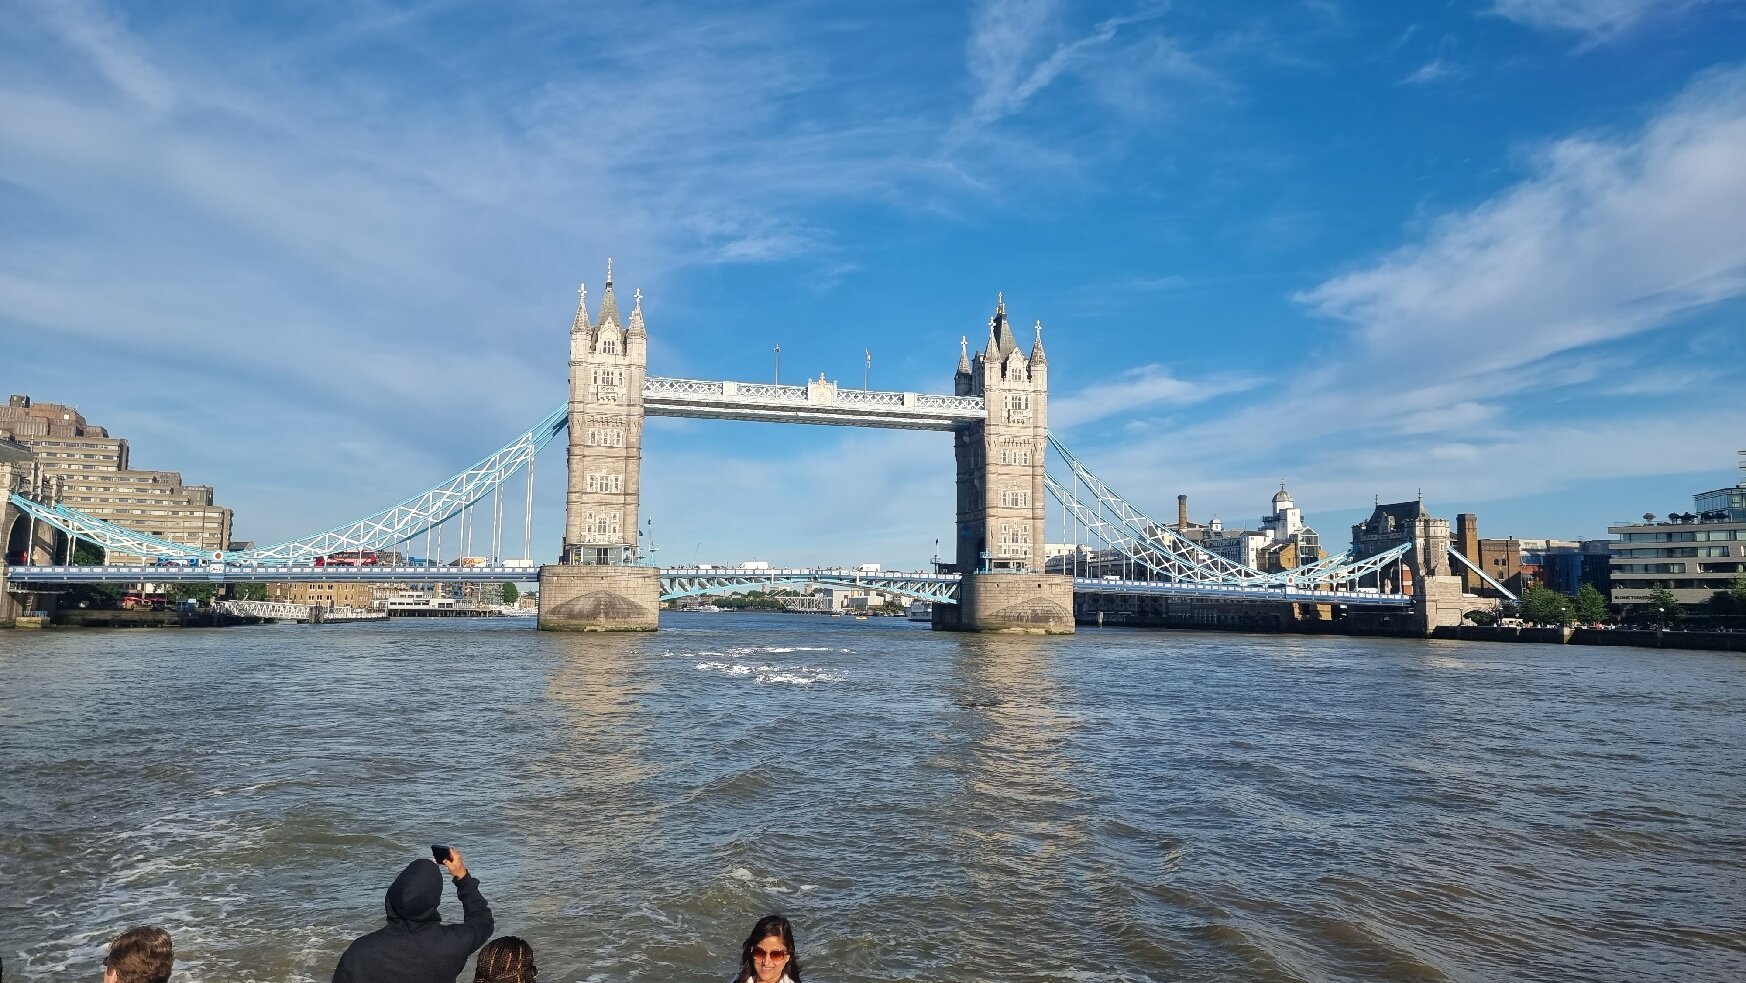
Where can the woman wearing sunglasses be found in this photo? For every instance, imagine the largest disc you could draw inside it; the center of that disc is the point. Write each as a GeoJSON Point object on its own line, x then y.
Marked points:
{"type": "Point", "coordinates": [769, 956]}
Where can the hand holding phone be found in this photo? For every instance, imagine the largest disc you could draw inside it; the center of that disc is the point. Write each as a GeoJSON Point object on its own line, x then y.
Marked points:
{"type": "Point", "coordinates": [451, 859]}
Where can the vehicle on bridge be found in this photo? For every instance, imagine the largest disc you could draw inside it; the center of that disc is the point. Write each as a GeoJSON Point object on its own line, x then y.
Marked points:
{"type": "Point", "coordinates": [354, 558]}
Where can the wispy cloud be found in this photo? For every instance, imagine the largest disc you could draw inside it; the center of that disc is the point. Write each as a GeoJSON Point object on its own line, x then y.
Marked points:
{"type": "Point", "coordinates": [1609, 237]}
{"type": "Point", "coordinates": [1534, 291]}
{"type": "Point", "coordinates": [1137, 390]}
{"type": "Point", "coordinates": [1435, 70]}
{"type": "Point", "coordinates": [1018, 48]}
{"type": "Point", "coordinates": [1594, 19]}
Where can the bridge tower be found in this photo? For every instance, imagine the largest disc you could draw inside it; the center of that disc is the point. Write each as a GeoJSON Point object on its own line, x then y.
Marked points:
{"type": "Point", "coordinates": [596, 584]}
{"type": "Point", "coordinates": [1001, 462]}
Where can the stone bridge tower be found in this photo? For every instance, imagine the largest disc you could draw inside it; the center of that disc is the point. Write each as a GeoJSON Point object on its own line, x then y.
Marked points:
{"type": "Point", "coordinates": [596, 585]}
{"type": "Point", "coordinates": [1000, 492]}
{"type": "Point", "coordinates": [607, 363]}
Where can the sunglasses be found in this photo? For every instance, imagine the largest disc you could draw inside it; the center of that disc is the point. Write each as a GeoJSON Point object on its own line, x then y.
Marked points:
{"type": "Point", "coordinates": [769, 953]}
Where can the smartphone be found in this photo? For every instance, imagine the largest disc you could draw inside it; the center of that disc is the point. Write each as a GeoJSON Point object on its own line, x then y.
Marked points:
{"type": "Point", "coordinates": [441, 853]}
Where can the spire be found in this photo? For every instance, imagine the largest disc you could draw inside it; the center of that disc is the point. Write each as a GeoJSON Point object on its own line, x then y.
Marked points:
{"type": "Point", "coordinates": [991, 351]}
{"type": "Point", "coordinates": [1037, 346]}
{"type": "Point", "coordinates": [581, 322]}
{"type": "Point", "coordinates": [608, 305]}
{"type": "Point", "coordinates": [964, 355]}
{"type": "Point", "coordinates": [636, 321]}
{"type": "Point", "coordinates": [1001, 332]}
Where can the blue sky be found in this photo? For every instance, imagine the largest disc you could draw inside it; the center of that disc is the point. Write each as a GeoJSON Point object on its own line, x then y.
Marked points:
{"type": "Point", "coordinates": [323, 255]}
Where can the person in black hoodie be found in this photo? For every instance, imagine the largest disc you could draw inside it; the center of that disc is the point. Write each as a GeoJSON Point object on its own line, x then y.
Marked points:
{"type": "Point", "coordinates": [415, 946]}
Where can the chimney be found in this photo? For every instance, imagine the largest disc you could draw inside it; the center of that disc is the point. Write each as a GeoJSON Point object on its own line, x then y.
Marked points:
{"type": "Point", "coordinates": [1181, 513]}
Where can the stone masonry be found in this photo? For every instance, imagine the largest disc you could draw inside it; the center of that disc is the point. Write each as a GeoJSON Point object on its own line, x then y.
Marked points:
{"type": "Point", "coordinates": [595, 586]}
{"type": "Point", "coordinates": [1000, 493]}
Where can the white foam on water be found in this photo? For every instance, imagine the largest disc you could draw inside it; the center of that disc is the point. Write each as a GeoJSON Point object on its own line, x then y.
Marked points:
{"type": "Point", "coordinates": [741, 874]}
{"type": "Point", "coordinates": [765, 673]}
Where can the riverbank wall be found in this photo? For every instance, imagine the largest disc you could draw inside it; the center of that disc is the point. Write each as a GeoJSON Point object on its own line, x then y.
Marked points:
{"type": "Point", "coordinates": [1712, 641]}
{"type": "Point", "coordinates": [1263, 617]}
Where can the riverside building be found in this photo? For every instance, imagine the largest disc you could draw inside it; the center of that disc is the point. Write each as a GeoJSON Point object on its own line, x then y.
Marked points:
{"type": "Point", "coordinates": [91, 471]}
{"type": "Point", "coordinates": [1694, 554]}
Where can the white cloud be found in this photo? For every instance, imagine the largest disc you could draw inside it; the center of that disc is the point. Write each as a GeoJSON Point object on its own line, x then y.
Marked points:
{"type": "Point", "coordinates": [1434, 70]}
{"type": "Point", "coordinates": [1609, 237]}
{"type": "Point", "coordinates": [1018, 48]}
{"type": "Point", "coordinates": [1138, 389]}
{"type": "Point", "coordinates": [1597, 19]}
{"type": "Point", "coordinates": [1537, 290]}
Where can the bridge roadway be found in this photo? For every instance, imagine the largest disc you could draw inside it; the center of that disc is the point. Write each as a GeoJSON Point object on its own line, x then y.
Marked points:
{"type": "Point", "coordinates": [675, 581]}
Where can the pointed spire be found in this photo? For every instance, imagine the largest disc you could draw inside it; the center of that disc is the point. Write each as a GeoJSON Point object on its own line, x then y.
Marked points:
{"type": "Point", "coordinates": [608, 304]}
{"type": "Point", "coordinates": [999, 331]}
{"type": "Point", "coordinates": [1037, 346]}
{"type": "Point", "coordinates": [636, 321]}
{"type": "Point", "coordinates": [581, 322]}
{"type": "Point", "coordinates": [964, 355]}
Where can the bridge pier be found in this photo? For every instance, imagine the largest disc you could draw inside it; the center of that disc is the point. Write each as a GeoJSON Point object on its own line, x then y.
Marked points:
{"type": "Point", "coordinates": [1018, 603]}
{"type": "Point", "coordinates": [577, 597]}
{"type": "Point", "coordinates": [8, 605]}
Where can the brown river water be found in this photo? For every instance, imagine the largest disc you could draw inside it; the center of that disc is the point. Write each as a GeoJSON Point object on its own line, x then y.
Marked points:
{"type": "Point", "coordinates": [1117, 805]}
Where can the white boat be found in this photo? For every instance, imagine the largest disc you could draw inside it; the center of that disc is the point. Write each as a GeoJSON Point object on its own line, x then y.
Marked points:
{"type": "Point", "coordinates": [921, 610]}
{"type": "Point", "coordinates": [709, 608]}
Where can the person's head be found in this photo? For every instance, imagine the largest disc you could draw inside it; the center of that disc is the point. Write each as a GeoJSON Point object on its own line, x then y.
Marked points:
{"type": "Point", "coordinates": [139, 955]}
{"type": "Point", "coordinates": [769, 952]}
{"type": "Point", "coordinates": [415, 894]}
{"type": "Point", "coordinates": [506, 959]}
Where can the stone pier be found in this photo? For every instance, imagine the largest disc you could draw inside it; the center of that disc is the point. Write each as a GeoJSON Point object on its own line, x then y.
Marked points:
{"type": "Point", "coordinates": [1017, 603]}
{"type": "Point", "coordinates": [574, 597]}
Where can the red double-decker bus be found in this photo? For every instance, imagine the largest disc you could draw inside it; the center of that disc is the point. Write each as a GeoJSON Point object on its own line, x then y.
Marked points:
{"type": "Point", "coordinates": [356, 558]}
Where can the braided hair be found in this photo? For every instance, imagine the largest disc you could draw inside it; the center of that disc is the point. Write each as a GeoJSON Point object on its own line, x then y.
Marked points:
{"type": "Point", "coordinates": [505, 959]}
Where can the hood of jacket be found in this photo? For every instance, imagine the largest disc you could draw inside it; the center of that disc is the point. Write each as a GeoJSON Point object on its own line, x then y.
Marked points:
{"type": "Point", "coordinates": [413, 897]}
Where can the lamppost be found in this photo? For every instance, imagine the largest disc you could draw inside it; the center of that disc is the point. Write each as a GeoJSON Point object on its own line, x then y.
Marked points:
{"type": "Point", "coordinates": [779, 365]}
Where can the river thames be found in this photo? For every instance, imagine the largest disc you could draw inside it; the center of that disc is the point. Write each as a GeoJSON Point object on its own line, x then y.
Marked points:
{"type": "Point", "coordinates": [1116, 805]}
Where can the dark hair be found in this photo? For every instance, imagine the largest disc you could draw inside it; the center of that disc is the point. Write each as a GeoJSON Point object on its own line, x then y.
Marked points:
{"type": "Point", "coordinates": [141, 955]}
{"type": "Point", "coordinates": [770, 927]}
{"type": "Point", "coordinates": [505, 959]}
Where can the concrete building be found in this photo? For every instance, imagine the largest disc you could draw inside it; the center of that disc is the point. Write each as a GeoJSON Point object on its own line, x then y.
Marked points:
{"type": "Point", "coordinates": [1282, 542]}
{"type": "Point", "coordinates": [90, 471]}
{"type": "Point", "coordinates": [1694, 553]}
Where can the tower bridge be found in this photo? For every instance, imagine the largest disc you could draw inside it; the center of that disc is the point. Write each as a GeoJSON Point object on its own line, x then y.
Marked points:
{"type": "Point", "coordinates": [997, 414]}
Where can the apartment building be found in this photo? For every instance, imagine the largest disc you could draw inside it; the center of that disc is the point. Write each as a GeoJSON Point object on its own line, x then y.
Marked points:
{"type": "Point", "coordinates": [1694, 553]}
{"type": "Point", "coordinates": [92, 473]}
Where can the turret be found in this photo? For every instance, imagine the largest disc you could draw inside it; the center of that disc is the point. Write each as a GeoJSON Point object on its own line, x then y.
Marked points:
{"type": "Point", "coordinates": [636, 322]}
{"type": "Point", "coordinates": [608, 304]}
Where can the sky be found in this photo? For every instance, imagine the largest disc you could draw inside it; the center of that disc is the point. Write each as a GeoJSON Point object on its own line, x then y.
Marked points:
{"type": "Point", "coordinates": [322, 256]}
